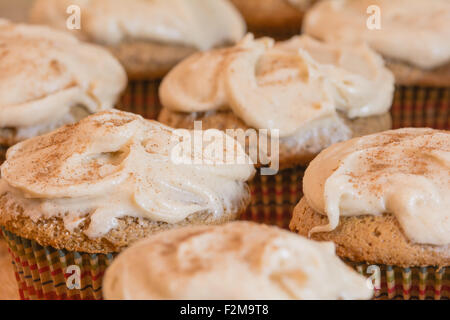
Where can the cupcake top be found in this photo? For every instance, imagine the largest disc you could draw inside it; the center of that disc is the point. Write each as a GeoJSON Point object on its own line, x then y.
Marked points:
{"type": "Point", "coordinates": [240, 260]}
{"type": "Point", "coordinates": [282, 86]}
{"type": "Point", "coordinates": [401, 172]}
{"type": "Point", "coordinates": [115, 164]}
{"type": "Point", "coordinates": [60, 73]}
{"type": "Point", "coordinates": [195, 23]}
{"type": "Point", "coordinates": [413, 31]}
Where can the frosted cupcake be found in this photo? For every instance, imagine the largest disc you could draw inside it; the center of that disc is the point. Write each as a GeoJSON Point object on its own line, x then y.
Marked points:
{"type": "Point", "coordinates": [240, 260]}
{"type": "Point", "coordinates": [304, 92]}
{"type": "Point", "coordinates": [383, 199]}
{"type": "Point", "coordinates": [49, 79]}
{"type": "Point", "coordinates": [84, 192]}
{"type": "Point", "coordinates": [280, 19]}
{"type": "Point", "coordinates": [148, 37]}
{"type": "Point", "coordinates": [414, 38]}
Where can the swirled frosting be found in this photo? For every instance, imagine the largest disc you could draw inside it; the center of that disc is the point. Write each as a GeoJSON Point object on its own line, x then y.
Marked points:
{"type": "Point", "coordinates": [60, 73]}
{"type": "Point", "coordinates": [114, 164]}
{"type": "Point", "coordinates": [197, 23]}
{"type": "Point", "coordinates": [240, 260]}
{"type": "Point", "coordinates": [281, 86]}
{"type": "Point", "coordinates": [413, 31]}
{"type": "Point", "coordinates": [403, 172]}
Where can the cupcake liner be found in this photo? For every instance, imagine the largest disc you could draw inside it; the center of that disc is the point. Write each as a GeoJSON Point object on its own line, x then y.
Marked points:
{"type": "Point", "coordinates": [421, 107]}
{"type": "Point", "coordinates": [141, 97]}
{"type": "Point", "coordinates": [274, 197]}
{"type": "Point", "coordinates": [45, 273]}
{"type": "Point", "coordinates": [415, 283]}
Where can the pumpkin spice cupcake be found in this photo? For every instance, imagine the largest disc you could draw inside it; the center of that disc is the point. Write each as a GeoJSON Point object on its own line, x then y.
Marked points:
{"type": "Point", "coordinates": [280, 19]}
{"type": "Point", "coordinates": [303, 94]}
{"type": "Point", "coordinates": [383, 199]}
{"type": "Point", "coordinates": [414, 38]}
{"type": "Point", "coordinates": [148, 37]}
{"type": "Point", "coordinates": [66, 80]}
{"type": "Point", "coordinates": [81, 194]}
{"type": "Point", "coordinates": [239, 260]}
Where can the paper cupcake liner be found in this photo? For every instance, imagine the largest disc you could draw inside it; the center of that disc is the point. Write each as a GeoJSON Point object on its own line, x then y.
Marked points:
{"type": "Point", "coordinates": [274, 197]}
{"type": "Point", "coordinates": [421, 107]}
{"type": "Point", "coordinates": [415, 283]}
{"type": "Point", "coordinates": [141, 97]}
{"type": "Point", "coordinates": [46, 273]}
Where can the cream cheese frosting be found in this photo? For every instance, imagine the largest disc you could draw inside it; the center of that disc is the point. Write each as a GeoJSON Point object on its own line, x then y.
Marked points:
{"type": "Point", "coordinates": [240, 260]}
{"type": "Point", "coordinates": [60, 73]}
{"type": "Point", "coordinates": [404, 172]}
{"type": "Point", "coordinates": [281, 86]}
{"type": "Point", "coordinates": [197, 23]}
{"type": "Point", "coordinates": [413, 31]}
{"type": "Point", "coordinates": [114, 164]}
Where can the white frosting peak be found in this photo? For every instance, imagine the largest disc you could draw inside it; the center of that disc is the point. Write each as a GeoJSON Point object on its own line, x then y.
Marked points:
{"type": "Point", "coordinates": [281, 86]}
{"type": "Point", "coordinates": [197, 23]}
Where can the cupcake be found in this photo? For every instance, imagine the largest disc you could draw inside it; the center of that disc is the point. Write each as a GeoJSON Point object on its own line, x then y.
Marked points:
{"type": "Point", "coordinates": [149, 37]}
{"type": "Point", "coordinates": [49, 79]}
{"type": "Point", "coordinates": [303, 95]}
{"type": "Point", "coordinates": [239, 260]}
{"type": "Point", "coordinates": [414, 38]}
{"type": "Point", "coordinates": [384, 200]}
{"type": "Point", "coordinates": [280, 19]}
{"type": "Point", "coordinates": [77, 196]}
